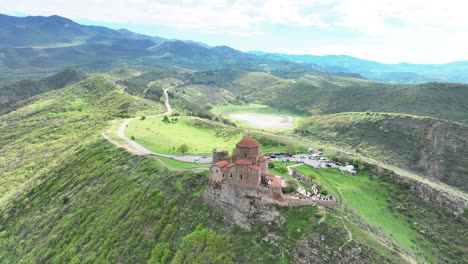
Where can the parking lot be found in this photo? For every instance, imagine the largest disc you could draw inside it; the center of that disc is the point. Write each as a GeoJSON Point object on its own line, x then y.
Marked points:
{"type": "Point", "coordinates": [309, 160]}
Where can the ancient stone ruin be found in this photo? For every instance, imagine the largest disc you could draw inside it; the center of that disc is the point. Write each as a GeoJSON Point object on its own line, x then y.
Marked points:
{"type": "Point", "coordinates": [241, 188]}
{"type": "Point", "coordinates": [247, 168]}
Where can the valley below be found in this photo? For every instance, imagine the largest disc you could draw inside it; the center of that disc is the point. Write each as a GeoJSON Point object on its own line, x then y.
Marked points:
{"type": "Point", "coordinates": [121, 148]}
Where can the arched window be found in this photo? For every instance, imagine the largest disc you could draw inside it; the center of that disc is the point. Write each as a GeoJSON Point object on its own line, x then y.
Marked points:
{"type": "Point", "coordinates": [216, 170]}
{"type": "Point", "coordinates": [231, 174]}
{"type": "Point", "coordinates": [223, 175]}
{"type": "Point", "coordinates": [241, 176]}
{"type": "Point", "coordinates": [245, 155]}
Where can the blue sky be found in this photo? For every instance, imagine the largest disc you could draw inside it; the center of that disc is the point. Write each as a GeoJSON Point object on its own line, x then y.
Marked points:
{"type": "Point", "coordinates": [391, 31]}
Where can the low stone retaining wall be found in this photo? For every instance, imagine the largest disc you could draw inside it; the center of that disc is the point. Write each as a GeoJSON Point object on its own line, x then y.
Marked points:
{"type": "Point", "coordinates": [298, 202]}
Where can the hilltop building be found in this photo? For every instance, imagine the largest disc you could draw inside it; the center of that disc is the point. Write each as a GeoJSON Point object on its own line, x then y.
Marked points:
{"type": "Point", "coordinates": [241, 188]}
{"type": "Point", "coordinates": [247, 168]}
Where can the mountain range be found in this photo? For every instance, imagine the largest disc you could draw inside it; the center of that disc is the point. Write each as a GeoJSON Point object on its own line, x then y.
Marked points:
{"type": "Point", "coordinates": [382, 72]}
{"type": "Point", "coordinates": [73, 191]}
{"type": "Point", "coordinates": [45, 44]}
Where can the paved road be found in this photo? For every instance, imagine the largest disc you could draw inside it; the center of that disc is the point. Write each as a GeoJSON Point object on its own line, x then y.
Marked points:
{"type": "Point", "coordinates": [140, 150]}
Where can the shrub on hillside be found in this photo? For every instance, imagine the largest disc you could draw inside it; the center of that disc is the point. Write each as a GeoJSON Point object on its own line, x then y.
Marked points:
{"type": "Point", "coordinates": [291, 186]}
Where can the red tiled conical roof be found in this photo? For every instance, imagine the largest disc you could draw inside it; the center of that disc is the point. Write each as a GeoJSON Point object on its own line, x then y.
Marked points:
{"type": "Point", "coordinates": [248, 142]}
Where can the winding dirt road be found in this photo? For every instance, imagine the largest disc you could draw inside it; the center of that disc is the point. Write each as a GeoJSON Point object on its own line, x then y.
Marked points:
{"type": "Point", "coordinates": [138, 149]}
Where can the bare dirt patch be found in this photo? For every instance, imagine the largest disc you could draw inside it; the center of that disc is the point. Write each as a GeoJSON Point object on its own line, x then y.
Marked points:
{"type": "Point", "coordinates": [266, 120]}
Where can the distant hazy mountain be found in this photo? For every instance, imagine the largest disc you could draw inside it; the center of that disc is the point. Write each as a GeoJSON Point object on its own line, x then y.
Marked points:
{"type": "Point", "coordinates": [38, 44]}
{"type": "Point", "coordinates": [55, 30]}
{"type": "Point", "coordinates": [398, 73]}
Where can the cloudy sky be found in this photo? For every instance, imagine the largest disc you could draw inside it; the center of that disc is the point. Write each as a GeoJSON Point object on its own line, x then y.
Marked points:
{"type": "Point", "coordinates": [417, 31]}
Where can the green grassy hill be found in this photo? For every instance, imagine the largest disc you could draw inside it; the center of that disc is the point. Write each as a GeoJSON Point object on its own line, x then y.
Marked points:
{"type": "Point", "coordinates": [69, 196]}
{"type": "Point", "coordinates": [434, 148]}
{"type": "Point", "coordinates": [326, 94]}
{"type": "Point", "coordinates": [15, 92]}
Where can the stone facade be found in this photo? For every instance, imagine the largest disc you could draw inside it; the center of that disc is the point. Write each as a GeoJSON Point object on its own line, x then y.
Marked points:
{"type": "Point", "coordinates": [247, 167]}
{"type": "Point", "coordinates": [219, 155]}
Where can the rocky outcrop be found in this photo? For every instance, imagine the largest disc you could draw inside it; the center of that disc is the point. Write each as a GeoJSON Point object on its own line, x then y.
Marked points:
{"type": "Point", "coordinates": [444, 200]}
{"type": "Point", "coordinates": [241, 205]}
{"type": "Point", "coordinates": [323, 248]}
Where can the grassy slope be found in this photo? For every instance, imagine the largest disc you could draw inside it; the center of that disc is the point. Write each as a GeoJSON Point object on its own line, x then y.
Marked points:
{"type": "Point", "coordinates": [200, 135]}
{"type": "Point", "coordinates": [69, 196]}
{"type": "Point", "coordinates": [15, 92]}
{"type": "Point", "coordinates": [434, 148]}
{"type": "Point", "coordinates": [393, 210]}
{"type": "Point", "coordinates": [322, 93]}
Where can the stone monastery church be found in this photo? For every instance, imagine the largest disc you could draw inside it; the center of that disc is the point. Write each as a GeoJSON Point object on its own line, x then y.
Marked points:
{"type": "Point", "coordinates": [247, 168]}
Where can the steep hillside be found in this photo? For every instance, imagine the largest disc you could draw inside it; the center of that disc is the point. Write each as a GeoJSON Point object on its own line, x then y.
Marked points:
{"type": "Point", "coordinates": [325, 94]}
{"type": "Point", "coordinates": [67, 195]}
{"type": "Point", "coordinates": [435, 148]}
{"type": "Point", "coordinates": [12, 93]}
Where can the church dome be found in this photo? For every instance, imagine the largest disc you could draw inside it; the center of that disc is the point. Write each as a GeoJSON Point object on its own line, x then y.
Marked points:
{"type": "Point", "coordinates": [248, 142]}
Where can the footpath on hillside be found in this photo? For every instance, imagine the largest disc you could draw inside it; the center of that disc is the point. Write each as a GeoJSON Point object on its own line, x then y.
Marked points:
{"type": "Point", "coordinates": [137, 149]}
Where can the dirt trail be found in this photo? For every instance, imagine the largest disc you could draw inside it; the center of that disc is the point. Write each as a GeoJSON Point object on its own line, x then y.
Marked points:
{"type": "Point", "coordinates": [130, 145]}
{"type": "Point", "coordinates": [137, 149]}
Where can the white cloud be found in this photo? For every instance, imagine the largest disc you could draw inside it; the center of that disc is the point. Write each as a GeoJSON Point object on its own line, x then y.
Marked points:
{"type": "Point", "coordinates": [419, 23]}
{"type": "Point", "coordinates": [370, 16]}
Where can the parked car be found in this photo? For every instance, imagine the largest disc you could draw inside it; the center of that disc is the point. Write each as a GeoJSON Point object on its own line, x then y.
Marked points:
{"type": "Point", "coordinates": [204, 156]}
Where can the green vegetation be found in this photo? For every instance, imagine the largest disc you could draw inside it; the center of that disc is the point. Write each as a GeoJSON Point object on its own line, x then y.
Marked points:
{"type": "Point", "coordinates": [203, 245]}
{"type": "Point", "coordinates": [23, 89]}
{"type": "Point", "coordinates": [291, 186]}
{"type": "Point", "coordinates": [385, 208]}
{"type": "Point", "coordinates": [325, 94]}
{"type": "Point", "coordinates": [431, 147]}
{"type": "Point", "coordinates": [165, 136]}
{"type": "Point", "coordinates": [175, 164]}
{"type": "Point", "coordinates": [69, 196]}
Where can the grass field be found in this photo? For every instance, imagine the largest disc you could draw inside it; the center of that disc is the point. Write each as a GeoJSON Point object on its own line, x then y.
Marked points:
{"type": "Point", "coordinates": [200, 135]}
{"type": "Point", "coordinates": [369, 199]}
{"type": "Point", "coordinates": [163, 137]}
{"type": "Point", "coordinates": [175, 164]}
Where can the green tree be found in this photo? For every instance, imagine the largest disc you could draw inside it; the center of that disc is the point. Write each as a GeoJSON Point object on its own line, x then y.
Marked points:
{"type": "Point", "coordinates": [290, 148]}
{"type": "Point", "coordinates": [143, 117]}
{"type": "Point", "coordinates": [282, 169]}
{"type": "Point", "coordinates": [203, 246]}
{"type": "Point", "coordinates": [184, 148]}
{"type": "Point", "coordinates": [291, 186]}
{"type": "Point", "coordinates": [160, 254]}
{"type": "Point", "coordinates": [166, 119]}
